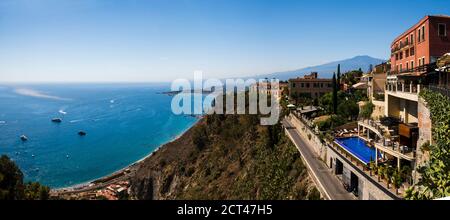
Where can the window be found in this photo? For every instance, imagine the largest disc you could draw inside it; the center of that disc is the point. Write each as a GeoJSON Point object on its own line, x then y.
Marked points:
{"type": "Point", "coordinates": [412, 64]}
{"type": "Point", "coordinates": [329, 85]}
{"type": "Point", "coordinates": [407, 53]}
{"type": "Point", "coordinates": [396, 56]}
{"type": "Point", "coordinates": [407, 41]}
{"type": "Point", "coordinates": [401, 67]}
{"type": "Point", "coordinates": [422, 61]}
{"type": "Point", "coordinates": [419, 34]}
{"type": "Point", "coordinates": [407, 66]}
{"type": "Point", "coordinates": [401, 55]}
{"type": "Point", "coordinates": [442, 30]}
{"type": "Point", "coordinates": [423, 33]}
{"type": "Point", "coordinates": [411, 37]}
{"type": "Point", "coordinates": [303, 85]}
{"type": "Point", "coordinates": [293, 85]}
{"type": "Point", "coordinates": [411, 51]}
{"type": "Point", "coordinates": [307, 85]}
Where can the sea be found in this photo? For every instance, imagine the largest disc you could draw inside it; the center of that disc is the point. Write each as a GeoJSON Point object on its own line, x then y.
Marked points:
{"type": "Point", "coordinates": [123, 124]}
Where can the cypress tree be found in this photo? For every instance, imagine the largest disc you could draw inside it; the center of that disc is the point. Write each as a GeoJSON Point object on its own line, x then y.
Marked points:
{"type": "Point", "coordinates": [335, 90]}
{"type": "Point", "coordinates": [339, 76]}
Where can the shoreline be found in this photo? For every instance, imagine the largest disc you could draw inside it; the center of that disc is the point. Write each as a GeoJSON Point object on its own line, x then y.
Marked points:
{"type": "Point", "coordinates": [114, 176]}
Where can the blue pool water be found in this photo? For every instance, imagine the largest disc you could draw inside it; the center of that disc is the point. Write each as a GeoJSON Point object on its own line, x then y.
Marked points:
{"type": "Point", "coordinates": [358, 147]}
{"type": "Point", "coordinates": [124, 123]}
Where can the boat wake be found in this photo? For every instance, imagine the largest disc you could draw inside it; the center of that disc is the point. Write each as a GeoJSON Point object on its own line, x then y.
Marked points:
{"type": "Point", "coordinates": [75, 121]}
{"type": "Point", "coordinates": [37, 94]}
{"type": "Point", "coordinates": [62, 112]}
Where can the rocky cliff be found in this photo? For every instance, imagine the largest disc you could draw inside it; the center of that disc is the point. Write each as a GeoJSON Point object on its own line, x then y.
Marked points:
{"type": "Point", "coordinates": [225, 157]}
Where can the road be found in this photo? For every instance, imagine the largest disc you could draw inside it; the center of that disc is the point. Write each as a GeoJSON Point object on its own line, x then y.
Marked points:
{"type": "Point", "coordinates": [329, 184]}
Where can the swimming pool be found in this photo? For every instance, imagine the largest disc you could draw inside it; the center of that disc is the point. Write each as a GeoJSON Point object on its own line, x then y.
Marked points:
{"type": "Point", "coordinates": [358, 148]}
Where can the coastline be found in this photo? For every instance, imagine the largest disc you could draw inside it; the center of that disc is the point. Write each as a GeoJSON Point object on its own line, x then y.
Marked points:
{"type": "Point", "coordinates": [120, 174]}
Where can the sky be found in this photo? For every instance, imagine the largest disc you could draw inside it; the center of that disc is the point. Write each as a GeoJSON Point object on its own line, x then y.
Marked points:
{"type": "Point", "coordinates": [162, 40]}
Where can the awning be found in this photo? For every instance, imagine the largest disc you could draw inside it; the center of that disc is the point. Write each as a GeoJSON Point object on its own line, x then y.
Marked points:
{"type": "Point", "coordinates": [444, 61]}
{"type": "Point", "coordinates": [361, 85]}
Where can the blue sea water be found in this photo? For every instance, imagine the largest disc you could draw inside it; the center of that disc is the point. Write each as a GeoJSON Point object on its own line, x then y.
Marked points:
{"type": "Point", "coordinates": [124, 123]}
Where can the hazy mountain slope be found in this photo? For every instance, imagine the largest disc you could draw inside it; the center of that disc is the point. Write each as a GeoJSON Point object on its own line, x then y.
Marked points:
{"type": "Point", "coordinates": [326, 70]}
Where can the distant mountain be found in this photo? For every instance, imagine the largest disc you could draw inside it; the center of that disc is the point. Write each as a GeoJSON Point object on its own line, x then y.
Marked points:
{"type": "Point", "coordinates": [326, 70]}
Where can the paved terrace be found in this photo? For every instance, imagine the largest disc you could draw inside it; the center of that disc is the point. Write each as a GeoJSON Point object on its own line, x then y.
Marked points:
{"type": "Point", "coordinates": [328, 184]}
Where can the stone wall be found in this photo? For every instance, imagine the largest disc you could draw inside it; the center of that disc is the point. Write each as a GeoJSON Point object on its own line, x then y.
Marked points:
{"type": "Point", "coordinates": [425, 134]}
{"type": "Point", "coordinates": [368, 190]}
{"type": "Point", "coordinates": [319, 147]}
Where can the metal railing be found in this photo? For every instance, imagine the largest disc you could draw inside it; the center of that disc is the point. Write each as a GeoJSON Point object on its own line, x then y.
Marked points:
{"type": "Point", "coordinates": [420, 69]}
{"type": "Point", "coordinates": [445, 91]}
{"type": "Point", "coordinates": [403, 87]}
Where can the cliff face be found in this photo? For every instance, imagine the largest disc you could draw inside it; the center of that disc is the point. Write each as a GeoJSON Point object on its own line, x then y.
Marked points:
{"type": "Point", "coordinates": [225, 157]}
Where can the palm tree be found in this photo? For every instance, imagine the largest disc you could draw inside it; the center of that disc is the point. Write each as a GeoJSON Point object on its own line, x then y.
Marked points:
{"type": "Point", "coordinates": [405, 172]}
{"type": "Point", "coordinates": [372, 165]}
{"type": "Point", "coordinates": [380, 172]}
{"type": "Point", "coordinates": [397, 180]}
{"type": "Point", "coordinates": [387, 175]}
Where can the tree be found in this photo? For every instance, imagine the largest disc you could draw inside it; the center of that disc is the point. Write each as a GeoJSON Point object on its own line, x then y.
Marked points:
{"type": "Point", "coordinates": [11, 180]}
{"type": "Point", "coordinates": [335, 97]}
{"type": "Point", "coordinates": [339, 76]}
{"type": "Point", "coordinates": [388, 170]}
{"type": "Point", "coordinates": [372, 166]}
{"type": "Point", "coordinates": [12, 186]}
{"type": "Point", "coordinates": [367, 110]}
{"type": "Point", "coordinates": [397, 180]}
{"type": "Point", "coordinates": [200, 137]}
{"type": "Point", "coordinates": [348, 109]}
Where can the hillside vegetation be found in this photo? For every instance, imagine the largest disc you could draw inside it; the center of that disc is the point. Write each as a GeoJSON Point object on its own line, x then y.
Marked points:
{"type": "Point", "coordinates": [225, 157]}
{"type": "Point", "coordinates": [12, 186]}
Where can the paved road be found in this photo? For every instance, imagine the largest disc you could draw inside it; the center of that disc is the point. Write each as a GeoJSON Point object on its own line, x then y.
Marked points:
{"type": "Point", "coordinates": [328, 182]}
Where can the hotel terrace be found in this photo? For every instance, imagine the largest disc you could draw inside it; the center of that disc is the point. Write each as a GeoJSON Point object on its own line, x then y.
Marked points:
{"type": "Point", "coordinates": [400, 123]}
{"type": "Point", "coordinates": [406, 125]}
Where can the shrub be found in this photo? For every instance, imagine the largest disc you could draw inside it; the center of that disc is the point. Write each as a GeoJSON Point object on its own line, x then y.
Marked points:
{"type": "Point", "coordinates": [435, 174]}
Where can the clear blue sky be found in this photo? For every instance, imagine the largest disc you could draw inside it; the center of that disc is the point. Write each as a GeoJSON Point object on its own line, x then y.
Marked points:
{"type": "Point", "coordinates": [160, 40]}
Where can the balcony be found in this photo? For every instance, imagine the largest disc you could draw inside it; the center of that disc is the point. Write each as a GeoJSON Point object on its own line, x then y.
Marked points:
{"type": "Point", "coordinates": [402, 45]}
{"type": "Point", "coordinates": [403, 90]}
{"type": "Point", "coordinates": [415, 71]}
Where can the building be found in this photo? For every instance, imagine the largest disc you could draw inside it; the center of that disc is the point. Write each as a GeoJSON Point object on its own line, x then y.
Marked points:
{"type": "Point", "coordinates": [266, 87]}
{"type": "Point", "coordinates": [413, 66]}
{"type": "Point", "coordinates": [309, 86]}
{"type": "Point", "coordinates": [413, 63]}
{"type": "Point", "coordinates": [378, 158]}
{"type": "Point", "coordinates": [376, 81]}
{"type": "Point", "coordinates": [421, 45]}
